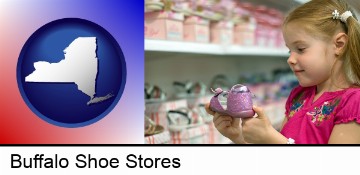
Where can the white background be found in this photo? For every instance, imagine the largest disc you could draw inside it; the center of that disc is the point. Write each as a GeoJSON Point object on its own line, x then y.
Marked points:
{"type": "Point", "coordinates": [199, 160]}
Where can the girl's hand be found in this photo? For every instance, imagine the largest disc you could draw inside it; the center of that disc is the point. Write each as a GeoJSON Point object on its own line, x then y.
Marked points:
{"type": "Point", "coordinates": [257, 129]}
{"type": "Point", "coordinates": [228, 126]}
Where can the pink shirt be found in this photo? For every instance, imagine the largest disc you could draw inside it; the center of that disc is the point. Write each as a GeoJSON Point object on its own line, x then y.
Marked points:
{"type": "Point", "coordinates": [312, 122]}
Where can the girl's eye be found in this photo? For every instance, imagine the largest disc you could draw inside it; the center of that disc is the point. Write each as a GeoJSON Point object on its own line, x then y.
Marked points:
{"type": "Point", "coordinates": [301, 49]}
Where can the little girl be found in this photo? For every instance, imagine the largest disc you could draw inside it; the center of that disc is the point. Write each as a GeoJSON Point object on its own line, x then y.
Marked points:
{"type": "Point", "coordinates": [323, 37]}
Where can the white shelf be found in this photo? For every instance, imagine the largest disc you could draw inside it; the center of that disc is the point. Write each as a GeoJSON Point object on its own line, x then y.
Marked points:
{"type": "Point", "coordinates": [255, 50]}
{"type": "Point", "coordinates": [301, 1]}
{"type": "Point", "coordinates": [205, 48]}
{"type": "Point", "coordinates": [181, 46]}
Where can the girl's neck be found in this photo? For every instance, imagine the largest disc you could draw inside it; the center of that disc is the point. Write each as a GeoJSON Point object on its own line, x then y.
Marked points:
{"type": "Point", "coordinates": [332, 88]}
{"type": "Point", "coordinates": [331, 85]}
{"type": "Point", "coordinates": [336, 81]}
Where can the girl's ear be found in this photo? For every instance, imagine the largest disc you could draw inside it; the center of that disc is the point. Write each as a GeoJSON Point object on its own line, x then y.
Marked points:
{"type": "Point", "coordinates": [340, 41]}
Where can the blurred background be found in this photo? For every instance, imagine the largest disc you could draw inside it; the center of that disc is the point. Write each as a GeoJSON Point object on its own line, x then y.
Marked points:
{"type": "Point", "coordinates": [192, 46]}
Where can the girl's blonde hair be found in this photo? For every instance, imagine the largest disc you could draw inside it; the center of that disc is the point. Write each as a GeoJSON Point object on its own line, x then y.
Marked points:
{"type": "Point", "coordinates": [316, 15]}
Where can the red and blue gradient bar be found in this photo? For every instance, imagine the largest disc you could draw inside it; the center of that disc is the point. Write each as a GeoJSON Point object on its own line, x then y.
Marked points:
{"type": "Point", "coordinates": [123, 19]}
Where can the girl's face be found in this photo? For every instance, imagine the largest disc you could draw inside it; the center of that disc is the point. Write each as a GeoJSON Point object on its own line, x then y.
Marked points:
{"type": "Point", "coordinates": [311, 59]}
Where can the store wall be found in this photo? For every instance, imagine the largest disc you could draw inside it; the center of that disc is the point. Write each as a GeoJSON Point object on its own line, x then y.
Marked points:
{"type": "Point", "coordinates": [163, 69]}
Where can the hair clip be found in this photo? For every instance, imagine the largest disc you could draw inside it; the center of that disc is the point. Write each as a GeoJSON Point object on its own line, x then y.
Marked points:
{"type": "Point", "coordinates": [343, 17]}
{"type": "Point", "coordinates": [335, 14]}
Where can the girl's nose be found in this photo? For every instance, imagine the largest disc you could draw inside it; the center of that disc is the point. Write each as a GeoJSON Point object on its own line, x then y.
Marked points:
{"type": "Point", "coordinates": [291, 60]}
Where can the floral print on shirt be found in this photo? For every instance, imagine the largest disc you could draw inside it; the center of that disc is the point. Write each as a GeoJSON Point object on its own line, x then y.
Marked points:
{"type": "Point", "coordinates": [323, 113]}
{"type": "Point", "coordinates": [296, 104]}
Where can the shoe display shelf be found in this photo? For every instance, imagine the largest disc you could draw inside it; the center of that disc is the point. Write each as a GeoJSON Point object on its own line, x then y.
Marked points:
{"type": "Point", "coordinates": [193, 135]}
{"type": "Point", "coordinates": [161, 138]}
{"type": "Point", "coordinates": [157, 111]}
{"type": "Point", "coordinates": [201, 132]}
{"type": "Point", "coordinates": [209, 48]}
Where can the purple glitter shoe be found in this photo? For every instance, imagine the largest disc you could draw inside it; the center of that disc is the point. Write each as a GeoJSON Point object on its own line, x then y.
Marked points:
{"type": "Point", "coordinates": [238, 102]}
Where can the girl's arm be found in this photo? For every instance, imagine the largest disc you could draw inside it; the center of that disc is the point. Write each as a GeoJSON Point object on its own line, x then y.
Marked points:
{"type": "Point", "coordinates": [345, 133]}
{"type": "Point", "coordinates": [283, 123]}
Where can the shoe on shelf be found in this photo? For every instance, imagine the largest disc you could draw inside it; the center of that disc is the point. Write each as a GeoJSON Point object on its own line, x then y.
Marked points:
{"type": "Point", "coordinates": [189, 89]}
{"type": "Point", "coordinates": [220, 81]}
{"type": "Point", "coordinates": [183, 118]}
{"type": "Point", "coordinates": [151, 128]}
{"type": "Point", "coordinates": [207, 118]}
{"type": "Point", "coordinates": [154, 93]}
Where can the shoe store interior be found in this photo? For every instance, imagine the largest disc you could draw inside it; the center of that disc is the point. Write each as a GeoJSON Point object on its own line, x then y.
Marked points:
{"type": "Point", "coordinates": [193, 48]}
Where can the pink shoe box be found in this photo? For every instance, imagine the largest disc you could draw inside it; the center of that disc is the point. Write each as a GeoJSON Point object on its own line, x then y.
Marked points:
{"type": "Point", "coordinates": [263, 26]}
{"type": "Point", "coordinates": [161, 138]}
{"type": "Point", "coordinates": [196, 29]}
{"type": "Point", "coordinates": [273, 30]}
{"type": "Point", "coordinates": [244, 26]}
{"type": "Point", "coordinates": [273, 33]}
{"type": "Point", "coordinates": [275, 19]}
{"type": "Point", "coordinates": [262, 33]}
{"type": "Point", "coordinates": [195, 135]}
{"type": "Point", "coordinates": [221, 32]}
{"type": "Point", "coordinates": [158, 111]}
{"type": "Point", "coordinates": [165, 25]}
{"type": "Point", "coordinates": [279, 41]}
{"type": "Point", "coordinates": [244, 33]}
